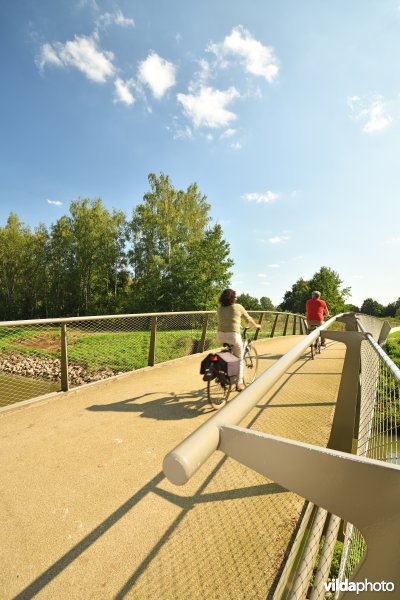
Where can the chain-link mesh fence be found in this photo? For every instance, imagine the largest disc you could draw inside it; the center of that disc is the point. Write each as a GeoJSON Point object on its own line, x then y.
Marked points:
{"type": "Point", "coordinates": [379, 424]}
{"type": "Point", "coordinates": [96, 348]}
{"type": "Point", "coordinates": [30, 362]}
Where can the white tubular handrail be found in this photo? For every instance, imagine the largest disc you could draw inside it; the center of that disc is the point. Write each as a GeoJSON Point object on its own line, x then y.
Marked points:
{"type": "Point", "coordinates": [182, 462]}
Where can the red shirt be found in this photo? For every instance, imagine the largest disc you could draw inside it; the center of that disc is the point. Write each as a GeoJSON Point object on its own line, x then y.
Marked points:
{"type": "Point", "coordinates": [315, 309]}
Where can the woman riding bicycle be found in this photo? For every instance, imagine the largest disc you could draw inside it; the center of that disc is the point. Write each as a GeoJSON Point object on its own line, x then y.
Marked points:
{"type": "Point", "coordinates": [229, 316]}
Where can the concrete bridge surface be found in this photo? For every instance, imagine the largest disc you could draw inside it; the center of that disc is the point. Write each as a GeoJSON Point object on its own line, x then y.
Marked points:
{"type": "Point", "coordinates": [86, 512]}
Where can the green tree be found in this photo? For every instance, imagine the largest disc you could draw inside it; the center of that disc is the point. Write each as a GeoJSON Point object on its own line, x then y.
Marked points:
{"type": "Point", "coordinates": [37, 274]}
{"type": "Point", "coordinates": [294, 300]}
{"type": "Point", "coordinates": [372, 307]}
{"type": "Point", "coordinates": [15, 246]}
{"type": "Point", "coordinates": [179, 260]}
{"type": "Point", "coordinates": [328, 282]}
{"type": "Point", "coordinates": [351, 308]}
{"type": "Point", "coordinates": [249, 302]}
{"type": "Point", "coordinates": [266, 303]}
{"type": "Point", "coordinates": [88, 259]}
{"type": "Point", "coordinates": [391, 309]}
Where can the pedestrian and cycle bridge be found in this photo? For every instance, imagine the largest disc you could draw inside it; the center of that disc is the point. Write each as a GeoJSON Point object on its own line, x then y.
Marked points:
{"type": "Point", "coordinates": [131, 486]}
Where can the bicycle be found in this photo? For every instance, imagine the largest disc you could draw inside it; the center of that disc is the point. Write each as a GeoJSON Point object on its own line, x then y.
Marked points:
{"type": "Point", "coordinates": [315, 348]}
{"type": "Point", "coordinates": [220, 386]}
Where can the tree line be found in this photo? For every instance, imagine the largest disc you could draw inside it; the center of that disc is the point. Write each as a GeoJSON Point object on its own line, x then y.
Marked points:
{"type": "Point", "coordinates": [167, 257]}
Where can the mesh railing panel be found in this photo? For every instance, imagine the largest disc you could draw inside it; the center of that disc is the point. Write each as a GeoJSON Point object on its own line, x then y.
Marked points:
{"type": "Point", "coordinates": [30, 355]}
{"type": "Point", "coordinates": [100, 348]}
{"type": "Point", "coordinates": [379, 424]}
{"type": "Point", "coordinates": [29, 362]}
{"type": "Point", "coordinates": [178, 335]}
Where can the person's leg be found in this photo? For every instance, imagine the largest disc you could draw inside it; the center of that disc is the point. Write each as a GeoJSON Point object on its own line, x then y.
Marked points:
{"type": "Point", "coordinates": [311, 324]}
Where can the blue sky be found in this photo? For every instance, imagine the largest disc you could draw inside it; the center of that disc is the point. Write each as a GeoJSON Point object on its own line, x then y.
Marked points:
{"type": "Point", "coordinates": [285, 113]}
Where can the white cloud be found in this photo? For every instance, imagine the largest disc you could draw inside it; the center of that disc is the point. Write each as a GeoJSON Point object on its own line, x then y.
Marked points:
{"type": "Point", "coordinates": [116, 18]}
{"type": "Point", "coordinates": [261, 275]}
{"type": "Point", "coordinates": [184, 133]}
{"type": "Point", "coordinates": [120, 19]}
{"type": "Point", "coordinates": [201, 77]}
{"type": "Point", "coordinates": [278, 239]}
{"type": "Point", "coordinates": [257, 59]}
{"type": "Point", "coordinates": [256, 197]}
{"type": "Point", "coordinates": [393, 240]}
{"type": "Point", "coordinates": [54, 202]}
{"type": "Point", "coordinates": [158, 74]}
{"type": "Point", "coordinates": [123, 91]}
{"type": "Point", "coordinates": [236, 145]}
{"type": "Point", "coordinates": [81, 53]}
{"type": "Point", "coordinates": [227, 133]}
{"type": "Point", "coordinates": [372, 112]}
{"type": "Point", "coordinates": [273, 266]}
{"type": "Point", "coordinates": [48, 55]}
{"type": "Point", "coordinates": [207, 108]}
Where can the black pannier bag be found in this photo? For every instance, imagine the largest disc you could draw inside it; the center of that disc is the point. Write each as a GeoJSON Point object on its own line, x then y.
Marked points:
{"type": "Point", "coordinates": [222, 364]}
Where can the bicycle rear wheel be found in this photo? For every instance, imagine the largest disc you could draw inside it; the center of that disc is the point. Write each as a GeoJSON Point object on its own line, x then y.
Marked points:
{"type": "Point", "coordinates": [218, 393]}
{"type": "Point", "coordinates": [250, 365]}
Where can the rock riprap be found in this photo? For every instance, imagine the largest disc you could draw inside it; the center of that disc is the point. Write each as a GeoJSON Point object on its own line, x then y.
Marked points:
{"type": "Point", "coordinates": [44, 367]}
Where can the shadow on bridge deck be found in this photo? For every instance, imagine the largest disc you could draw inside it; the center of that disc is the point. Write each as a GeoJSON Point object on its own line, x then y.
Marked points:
{"type": "Point", "coordinates": [88, 513]}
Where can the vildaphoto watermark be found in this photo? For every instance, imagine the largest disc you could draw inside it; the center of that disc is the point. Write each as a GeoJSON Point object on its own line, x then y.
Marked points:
{"type": "Point", "coordinates": [336, 585]}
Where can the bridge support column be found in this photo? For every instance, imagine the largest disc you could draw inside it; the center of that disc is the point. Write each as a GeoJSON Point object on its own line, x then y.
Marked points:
{"type": "Point", "coordinates": [344, 420]}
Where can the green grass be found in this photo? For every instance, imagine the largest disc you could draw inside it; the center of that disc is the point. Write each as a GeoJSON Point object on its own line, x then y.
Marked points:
{"type": "Point", "coordinates": [118, 351]}
{"type": "Point", "coordinates": [393, 347]}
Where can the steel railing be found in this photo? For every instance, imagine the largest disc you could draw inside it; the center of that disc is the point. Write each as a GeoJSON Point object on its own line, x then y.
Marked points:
{"type": "Point", "coordinates": [369, 490]}
{"type": "Point", "coordinates": [47, 355]}
{"type": "Point", "coordinates": [379, 425]}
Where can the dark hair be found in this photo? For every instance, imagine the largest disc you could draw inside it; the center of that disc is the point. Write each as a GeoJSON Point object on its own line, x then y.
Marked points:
{"type": "Point", "coordinates": [227, 297]}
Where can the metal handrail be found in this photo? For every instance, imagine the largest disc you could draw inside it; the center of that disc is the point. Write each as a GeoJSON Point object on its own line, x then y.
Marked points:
{"type": "Point", "coordinates": [182, 462]}
{"type": "Point", "coordinates": [128, 316]}
{"type": "Point", "coordinates": [310, 471]}
{"type": "Point", "coordinates": [152, 322]}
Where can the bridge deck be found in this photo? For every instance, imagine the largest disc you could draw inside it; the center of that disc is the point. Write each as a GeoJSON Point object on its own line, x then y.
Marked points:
{"type": "Point", "coordinates": [86, 510]}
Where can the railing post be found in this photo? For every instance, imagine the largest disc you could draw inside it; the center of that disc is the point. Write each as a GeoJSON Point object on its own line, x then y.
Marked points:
{"type": "Point", "coordinates": [274, 325]}
{"type": "Point", "coordinates": [64, 359]}
{"type": "Point", "coordinates": [203, 334]}
{"type": "Point", "coordinates": [260, 320]}
{"type": "Point", "coordinates": [286, 324]}
{"type": "Point", "coordinates": [152, 349]}
{"type": "Point", "coordinates": [294, 324]}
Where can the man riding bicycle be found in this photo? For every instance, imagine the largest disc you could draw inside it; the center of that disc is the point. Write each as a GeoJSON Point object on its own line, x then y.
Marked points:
{"type": "Point", "coordinates": [315, 310]}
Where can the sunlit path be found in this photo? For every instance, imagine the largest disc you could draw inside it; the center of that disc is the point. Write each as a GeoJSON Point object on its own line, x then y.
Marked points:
{"type": "Point", "coordinates": [88, 513]}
